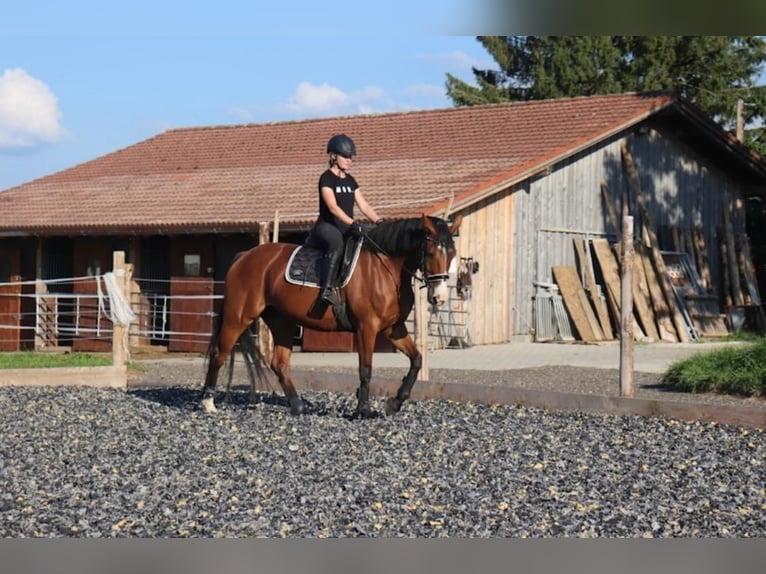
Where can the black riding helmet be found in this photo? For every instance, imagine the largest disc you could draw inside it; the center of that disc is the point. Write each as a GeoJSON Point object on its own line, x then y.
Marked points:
{"type": "Point", "coordinates": [342, 145]}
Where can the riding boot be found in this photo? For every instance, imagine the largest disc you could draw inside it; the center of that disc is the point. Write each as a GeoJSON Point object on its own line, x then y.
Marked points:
{"type": "Point", "coordinates": [329, 273]}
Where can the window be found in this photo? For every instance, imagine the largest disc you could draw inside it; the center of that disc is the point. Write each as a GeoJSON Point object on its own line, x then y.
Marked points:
{"type": "Point", "coordinates": [94, 268]}
{"type": "Point", "coordinates": [192, 265]}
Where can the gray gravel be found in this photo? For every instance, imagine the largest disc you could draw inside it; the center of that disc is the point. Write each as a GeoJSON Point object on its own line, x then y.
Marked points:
{"type": "Point", "coordinates": [80, 462]}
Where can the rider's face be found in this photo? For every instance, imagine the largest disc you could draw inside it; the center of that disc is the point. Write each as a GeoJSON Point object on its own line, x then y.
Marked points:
{"type": "Point", "coordinates": [343, 162]}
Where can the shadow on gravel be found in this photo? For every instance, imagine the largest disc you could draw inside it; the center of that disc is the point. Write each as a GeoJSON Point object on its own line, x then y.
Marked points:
{"type": "Point", "coordinates": [188, 399]}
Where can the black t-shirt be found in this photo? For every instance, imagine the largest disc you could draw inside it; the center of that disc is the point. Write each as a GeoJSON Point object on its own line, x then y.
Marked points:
{"type": "Point", "coordinates": [344, 189]}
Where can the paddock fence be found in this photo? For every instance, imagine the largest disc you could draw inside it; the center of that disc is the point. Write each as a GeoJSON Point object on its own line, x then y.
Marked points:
{"type": "Point", "coordinates": [75, 314]}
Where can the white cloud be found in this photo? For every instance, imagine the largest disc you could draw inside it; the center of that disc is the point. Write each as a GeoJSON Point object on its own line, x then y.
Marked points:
{"type": "Point", "coordinates": [458, 61]}
{"type": "Point", "coordinates": [325, 100]}
{"type": "Point", "coordinates": [29, 111]}
{"type": "Point", "coordinates": [310, 100]}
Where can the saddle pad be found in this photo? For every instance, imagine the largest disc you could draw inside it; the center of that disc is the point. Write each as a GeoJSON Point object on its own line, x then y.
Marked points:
{"type": "Point", "coordinates": [303, 267]}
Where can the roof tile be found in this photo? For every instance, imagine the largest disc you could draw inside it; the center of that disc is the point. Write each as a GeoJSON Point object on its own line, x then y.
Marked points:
{"type": "Point", "coordinates": [227, 177]}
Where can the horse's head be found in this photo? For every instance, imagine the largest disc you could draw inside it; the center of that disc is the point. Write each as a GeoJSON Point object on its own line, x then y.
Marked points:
{"type": "Point", "coordinates": [438, 252]}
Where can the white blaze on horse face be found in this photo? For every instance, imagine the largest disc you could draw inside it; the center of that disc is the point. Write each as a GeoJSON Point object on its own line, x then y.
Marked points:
{"type": "Point", "coordinates": [439, 290]}
{"type": "Point", "coordinates": [439, 293]}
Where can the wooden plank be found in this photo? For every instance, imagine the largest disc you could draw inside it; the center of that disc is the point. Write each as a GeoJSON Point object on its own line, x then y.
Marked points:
{"type": "Point", "coordinates": [731, 253]}
{"type": "Point", "coordinates": [746, 270]}
{"type": "Point", "coordinates": [700, 250]}
{"type": "Point", "coordinates": [576, 303]}
{"type": "Point", "coordinates": [642, 302]}
{"type": "Point", "coordinates": [110, 377]}
{"type": "Point", "coordinates": [724, 250]}
{"type": "Point", "coordinates": [610, 271]}
{"type": "Point", "coordinates": [654, 251]}
{"type": "Point", "coordinates": [610, 209]}
{"type": "Point", "coordinates": [665, 328]}
{"type": "Point", "coordinates": [586, 267]}
{"type": "Point", "coordinates": [704, 312]}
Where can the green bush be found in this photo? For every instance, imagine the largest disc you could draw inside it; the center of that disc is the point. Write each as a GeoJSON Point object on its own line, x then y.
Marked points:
{"type": "Point", "coordinates": [731, 370]}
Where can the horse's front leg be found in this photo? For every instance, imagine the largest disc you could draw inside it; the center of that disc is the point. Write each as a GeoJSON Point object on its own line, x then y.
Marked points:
{"type": "Point", "coordinates": [403, 342]}
{"type": "Point", "coordinates": [282, 331]}
{"type": "Point", "coordinates": [365, 341]}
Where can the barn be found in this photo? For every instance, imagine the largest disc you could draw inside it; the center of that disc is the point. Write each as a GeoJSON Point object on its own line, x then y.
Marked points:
{"type": "Point", "coordinates": [528, 178]}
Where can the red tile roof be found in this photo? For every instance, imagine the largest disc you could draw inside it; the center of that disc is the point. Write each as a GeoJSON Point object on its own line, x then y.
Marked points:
{"type": "Point", "coordinates": [232, 177]}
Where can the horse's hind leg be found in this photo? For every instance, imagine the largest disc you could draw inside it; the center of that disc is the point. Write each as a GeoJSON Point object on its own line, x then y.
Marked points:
{"type": "Point", "coordinates": [402, 340]}
{"type": "Point", "coordinates": [283, 331]}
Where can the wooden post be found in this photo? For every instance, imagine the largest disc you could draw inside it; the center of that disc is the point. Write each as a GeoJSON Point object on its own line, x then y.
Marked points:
{"type": "Point", "coordinates": [275, 234]}
{"type": "Point", "coordinates": [119, 350]}
{"type": "Point", "coordinates": [421, 329]}
{"type": "Point", "coordinates": [740, 120]}
{"type": "Point", "coordinates": [265, 340]}
{"type": "Point", "coordinates": [449, 206]}
{"type": "Point", "coordinates": [626, 306]}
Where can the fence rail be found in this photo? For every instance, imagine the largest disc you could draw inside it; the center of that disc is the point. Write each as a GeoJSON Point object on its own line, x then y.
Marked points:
{"type": "Point", "coordinates": [56, 315]}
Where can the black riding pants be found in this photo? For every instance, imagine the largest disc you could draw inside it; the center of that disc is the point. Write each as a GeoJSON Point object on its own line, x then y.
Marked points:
{"type": "Point", "coordinates": [329, 236]}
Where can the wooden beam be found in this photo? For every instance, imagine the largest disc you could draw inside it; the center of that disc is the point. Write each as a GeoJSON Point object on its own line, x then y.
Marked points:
{"type": "Point", "coordinates": [610, 209]}
{"type": "Point", "coordinates": [586, 269]}
{"type": "Point", "coordinates": [665, 328]}
{"type": "Point", "coordinates": [655, 255]}
{"type": "Point", "coordinates": [576, 303]}
{"type": "Point", "coordinates": [731, 252]}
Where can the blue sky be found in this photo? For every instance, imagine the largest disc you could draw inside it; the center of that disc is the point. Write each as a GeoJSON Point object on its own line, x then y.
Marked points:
{"type": "Point", "coordinates": [83, 78]}
{"type": "Point", "coordinates": [73, 88]}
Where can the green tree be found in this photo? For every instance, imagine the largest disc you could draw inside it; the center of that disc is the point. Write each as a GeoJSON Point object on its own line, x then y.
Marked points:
{"type": "Point", "coordinates": [713, 72]}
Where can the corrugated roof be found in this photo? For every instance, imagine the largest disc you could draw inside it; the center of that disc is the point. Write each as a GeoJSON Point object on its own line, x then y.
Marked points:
{"type": "Point", "coordinates": [232, 177]}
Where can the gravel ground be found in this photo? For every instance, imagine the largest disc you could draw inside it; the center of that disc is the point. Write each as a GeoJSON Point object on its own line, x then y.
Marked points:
{"type": "Point", "coordinates": [146, 462]}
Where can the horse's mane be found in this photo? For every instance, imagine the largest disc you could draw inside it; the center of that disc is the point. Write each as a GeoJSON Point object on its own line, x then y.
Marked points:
{"type": "Point", "coordinates": [404, 236]}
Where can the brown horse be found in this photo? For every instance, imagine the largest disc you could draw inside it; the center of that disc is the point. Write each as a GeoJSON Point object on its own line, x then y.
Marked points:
{"type": "Point", "coordinates": [378, 299]}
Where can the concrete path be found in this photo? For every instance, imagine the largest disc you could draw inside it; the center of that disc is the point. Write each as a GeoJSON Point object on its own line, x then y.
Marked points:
{"type": "Point", "coordinates": [649, 358]}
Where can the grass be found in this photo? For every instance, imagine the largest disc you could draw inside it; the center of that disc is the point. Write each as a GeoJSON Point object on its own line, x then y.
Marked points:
{"type": "Point", "coordinates": [31, 360]}
{"type": "Point", "coordinates": [737, 371]}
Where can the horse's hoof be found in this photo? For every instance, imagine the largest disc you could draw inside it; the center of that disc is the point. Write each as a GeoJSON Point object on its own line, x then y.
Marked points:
{"type": "Point", "coordinates": [392, 406]}
{"type": "Point", "coordinates": [208, 405]}
{"type": "Point", "coordinates": [297, 406]}
{"type": "Point", "coordinates": [365, 412]}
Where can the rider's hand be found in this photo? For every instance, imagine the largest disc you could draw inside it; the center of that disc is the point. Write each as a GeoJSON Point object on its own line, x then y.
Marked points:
{"type": "Point", "coordinates": [355, 229]}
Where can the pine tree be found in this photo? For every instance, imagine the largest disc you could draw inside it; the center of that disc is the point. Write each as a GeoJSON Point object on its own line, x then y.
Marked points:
{"type": "Point", "coordinates": [713, 72]}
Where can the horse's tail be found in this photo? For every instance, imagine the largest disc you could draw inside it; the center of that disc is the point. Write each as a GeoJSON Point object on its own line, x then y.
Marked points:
{"type": "Point", "coordinates": [212, 347]}
{"type": "Point", "coordinates": [251, 353]}
{"type": "Point", "coordinates": [246, 344]}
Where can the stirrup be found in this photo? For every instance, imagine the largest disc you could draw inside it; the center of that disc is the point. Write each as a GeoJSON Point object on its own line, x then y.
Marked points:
{"type": "Point", "coordinates": [329, 297]}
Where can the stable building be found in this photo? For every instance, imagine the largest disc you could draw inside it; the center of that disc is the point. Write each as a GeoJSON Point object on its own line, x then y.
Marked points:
{"type": "Point", "coordinates": [529, 179]}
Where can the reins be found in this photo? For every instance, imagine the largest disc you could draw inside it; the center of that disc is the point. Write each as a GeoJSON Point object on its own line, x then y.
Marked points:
{"type": "Point", "coordinates": [428, 278]}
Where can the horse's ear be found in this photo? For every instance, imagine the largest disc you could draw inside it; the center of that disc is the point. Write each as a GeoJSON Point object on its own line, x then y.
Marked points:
{"type": "Point", "coordinates": [428, 225]}
{"type": "Point", "coordinates": [456, 223]}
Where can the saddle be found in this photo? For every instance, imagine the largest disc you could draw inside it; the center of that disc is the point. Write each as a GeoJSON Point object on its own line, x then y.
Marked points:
{"type": "Point", "coordinates": [303, 267]}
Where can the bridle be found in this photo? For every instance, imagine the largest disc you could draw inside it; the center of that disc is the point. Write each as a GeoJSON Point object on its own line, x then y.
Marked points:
{"type": "Point", "coordinates": [434, 277]}
{"type": "Point", "coordinates": [425, 278]}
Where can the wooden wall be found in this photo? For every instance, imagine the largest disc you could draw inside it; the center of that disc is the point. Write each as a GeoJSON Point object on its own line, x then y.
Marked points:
{"type": "Point", "coordinates": [521, 233]}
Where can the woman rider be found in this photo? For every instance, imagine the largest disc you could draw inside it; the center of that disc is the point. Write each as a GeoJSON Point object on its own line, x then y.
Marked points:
{"type": "Point", "coordinates": [338, 193]}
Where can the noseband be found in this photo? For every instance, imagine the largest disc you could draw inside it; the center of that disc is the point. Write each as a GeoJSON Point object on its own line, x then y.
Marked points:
{"type": "Point", "coordinates": [433, 278]}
